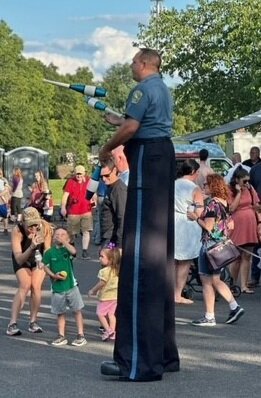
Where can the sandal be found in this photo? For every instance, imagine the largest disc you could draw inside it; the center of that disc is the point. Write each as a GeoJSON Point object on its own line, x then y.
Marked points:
{"type": "Point", "coordinates": [247, 291]}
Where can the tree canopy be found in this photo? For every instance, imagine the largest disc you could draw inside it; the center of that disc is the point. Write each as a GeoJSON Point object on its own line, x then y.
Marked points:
{"type": "Point", "coordinates": [33, 113]}
{"type": "Point", "coordinates": [215, 49]}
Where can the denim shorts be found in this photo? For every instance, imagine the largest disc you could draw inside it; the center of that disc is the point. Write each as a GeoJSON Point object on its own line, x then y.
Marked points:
{"type": "Point", "coordinates": [72, 298]}
{"type": "Point", "coordinates": [204, 267]}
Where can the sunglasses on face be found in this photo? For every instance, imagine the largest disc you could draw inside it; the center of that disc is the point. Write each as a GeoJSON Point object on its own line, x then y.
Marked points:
{"type": "Point", "coordinates": [245, 181]}
{"type": "Point", "coordinates": [79, 174]}
{"type": "Point", "coordinates": [106, 175]}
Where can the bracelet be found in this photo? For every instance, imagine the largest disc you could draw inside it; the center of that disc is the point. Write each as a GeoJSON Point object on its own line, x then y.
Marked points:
{"type": "Point", "coordinates": [198, 219]}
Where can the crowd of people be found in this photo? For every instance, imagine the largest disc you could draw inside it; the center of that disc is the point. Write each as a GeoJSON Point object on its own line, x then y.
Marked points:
{"type": "Point", "coordinates": [135, 230]}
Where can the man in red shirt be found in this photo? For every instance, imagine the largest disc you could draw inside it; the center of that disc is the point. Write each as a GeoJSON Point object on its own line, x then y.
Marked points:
{"type": "Point", "coordinates": [77, 208]}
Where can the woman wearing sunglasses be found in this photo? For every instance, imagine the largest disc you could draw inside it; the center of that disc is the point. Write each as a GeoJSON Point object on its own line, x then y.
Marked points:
{"type": "Point", "coordinates": [31, 234]}
{"type": "Point", "coordinates": [243, 203]}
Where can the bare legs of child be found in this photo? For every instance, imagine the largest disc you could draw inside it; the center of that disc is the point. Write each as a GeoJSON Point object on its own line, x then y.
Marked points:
{"type": "Point", "coordinates": [61, 322]}
{"type": "Point", "coordinates": [109, 323]}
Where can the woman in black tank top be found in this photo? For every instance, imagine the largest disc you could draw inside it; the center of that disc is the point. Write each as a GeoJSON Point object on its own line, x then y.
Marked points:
{"type": "Point", "coordinates": [30, 235]}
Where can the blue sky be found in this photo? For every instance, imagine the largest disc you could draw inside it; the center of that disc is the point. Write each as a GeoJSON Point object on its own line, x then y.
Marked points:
{"type": "Point", "coordinates": [77, 33]}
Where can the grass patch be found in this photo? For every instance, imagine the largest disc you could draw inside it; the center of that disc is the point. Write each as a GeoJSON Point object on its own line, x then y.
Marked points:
{"type": "Point", "coordinates": [56, 186]}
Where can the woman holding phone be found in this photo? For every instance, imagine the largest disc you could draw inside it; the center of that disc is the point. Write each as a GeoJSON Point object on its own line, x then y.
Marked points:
{"type": "Point", "coordinates": [243, 207]}
{"type": "Point", "coordinates": [31, 234]}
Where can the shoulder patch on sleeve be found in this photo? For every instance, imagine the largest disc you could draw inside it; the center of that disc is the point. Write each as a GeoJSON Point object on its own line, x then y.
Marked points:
{"type": "Point", "coordinates": [136, 96]}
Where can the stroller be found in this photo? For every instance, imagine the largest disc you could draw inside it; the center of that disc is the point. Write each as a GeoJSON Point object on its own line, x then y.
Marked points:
{"type": "Point", "coordinates": [194, 284]}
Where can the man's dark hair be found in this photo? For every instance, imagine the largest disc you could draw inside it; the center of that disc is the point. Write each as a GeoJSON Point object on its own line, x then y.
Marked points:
{"type": "Point", "coordinates": [203, 154]}
{"type": "Point", "coordinates": [108, 163]}
{"type": "Point", "coordinates": [189, 167]}
{"type": "Point", "coordinates": [151, 56]}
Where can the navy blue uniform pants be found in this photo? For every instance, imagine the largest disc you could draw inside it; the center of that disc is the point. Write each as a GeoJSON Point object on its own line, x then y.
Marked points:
{"type": "Point", "coordinates": [145, 344]}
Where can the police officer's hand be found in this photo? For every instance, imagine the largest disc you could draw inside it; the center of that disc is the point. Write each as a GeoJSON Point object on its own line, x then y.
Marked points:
{"type": "Point", "coordinates": [114, 120]}
{"type": "Point", "coordinates": [104, 155]}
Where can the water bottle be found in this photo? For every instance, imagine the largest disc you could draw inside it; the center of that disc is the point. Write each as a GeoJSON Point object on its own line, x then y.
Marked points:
{"type": "Point", "coordinates": [38, 259]}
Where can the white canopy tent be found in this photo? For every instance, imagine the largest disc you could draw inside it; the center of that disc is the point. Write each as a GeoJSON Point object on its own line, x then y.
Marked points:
{"type": "Point", "coordinates": [244, 121]}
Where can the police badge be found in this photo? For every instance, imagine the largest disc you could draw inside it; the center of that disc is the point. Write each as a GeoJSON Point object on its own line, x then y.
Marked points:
{"type": "Point", "coordinates": [136, 96]}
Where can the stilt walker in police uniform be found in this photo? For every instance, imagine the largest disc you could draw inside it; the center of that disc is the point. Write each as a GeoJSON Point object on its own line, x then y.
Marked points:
{"type": "Point", "coordinates": [145, 344]}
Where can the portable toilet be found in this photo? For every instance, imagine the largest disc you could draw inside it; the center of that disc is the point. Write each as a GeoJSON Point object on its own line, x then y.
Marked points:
{"type": "Point", "coordinates": [29, 160]}
{"type": "Point", "coordinates": [2, 151]}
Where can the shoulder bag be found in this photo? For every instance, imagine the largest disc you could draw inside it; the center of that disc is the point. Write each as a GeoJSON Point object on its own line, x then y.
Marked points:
{"type": "Point", "coordinates": [223, 252]}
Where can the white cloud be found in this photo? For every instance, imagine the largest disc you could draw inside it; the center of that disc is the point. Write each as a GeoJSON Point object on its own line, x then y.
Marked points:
{"type": "Point", "coordinates": [113, 18]}
{"type": "Point", "coordinates": [105, 47]}
{"type": "Point", "coordinates": [65, 64]}
{"type": "Point", "coordinates": [112, 46]}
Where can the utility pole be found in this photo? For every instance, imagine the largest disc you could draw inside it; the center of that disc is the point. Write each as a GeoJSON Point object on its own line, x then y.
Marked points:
{"type": "Point", "coordinates": [157, 7]}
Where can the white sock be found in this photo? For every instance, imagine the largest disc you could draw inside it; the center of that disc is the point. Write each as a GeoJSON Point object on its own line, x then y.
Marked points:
{"type": "Point", "coordinates": [233, 305]}
{"type": "Point", "coordinates": [209, 315]}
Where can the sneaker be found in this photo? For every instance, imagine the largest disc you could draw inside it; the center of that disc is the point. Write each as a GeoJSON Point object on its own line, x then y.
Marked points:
{"type": "Point", "coordinates": [234, 315]}
{"type": "Point", "coordinates": [86, 255]}
{"type": "Point", "coordinates": [107, 335]}
{"type": "Point", "coordinates": [79, 341]}
{"type": "Point", "coordinates": [13, 330]}
{"type": "Point", "coordinates": [204, 322]}
{"type": "Point", "coordinates": [113, 336]}
{"type": "Point", "coordinates": [101, 329]}
{"type": "Point", "coordinates": [60, 340]}
{"type": "Point", "coordinates": [34, 328]}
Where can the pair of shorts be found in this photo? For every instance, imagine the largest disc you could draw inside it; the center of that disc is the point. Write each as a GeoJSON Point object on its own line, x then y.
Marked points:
{"type": "Point", "coordinates": [107, 307]}
{"type": "Point", "coordinates": [16, 206]}
{"type": "Point", "coordinates": [3, 210]}
{"type": "Point", "coordinates": [79, 223]}
{"type": "Point", "coordinates": [72, 299]}
{"type": "Point", "coordinates": [204, 267]}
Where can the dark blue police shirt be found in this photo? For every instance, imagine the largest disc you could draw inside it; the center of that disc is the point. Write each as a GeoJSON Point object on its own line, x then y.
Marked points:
{"type": "Point", "coordinates": [150, 103]}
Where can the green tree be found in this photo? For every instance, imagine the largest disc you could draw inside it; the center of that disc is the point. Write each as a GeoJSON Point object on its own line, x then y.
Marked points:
{"type": "Point", "coordinates": [118, 81]}
{"type": "Point", "coordinates": [215, 48]}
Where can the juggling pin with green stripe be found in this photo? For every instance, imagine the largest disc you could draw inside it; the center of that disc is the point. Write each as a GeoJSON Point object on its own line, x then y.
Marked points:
{"type": "Point", "coordinates": [93, 91]}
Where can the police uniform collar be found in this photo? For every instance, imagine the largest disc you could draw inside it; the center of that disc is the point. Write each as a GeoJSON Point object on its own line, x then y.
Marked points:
{"type": "Point", "coordinates": [153, 76]}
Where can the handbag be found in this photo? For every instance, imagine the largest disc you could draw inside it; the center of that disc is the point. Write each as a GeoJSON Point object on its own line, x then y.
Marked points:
{"type": "Point", "coordinates": [221, 254]}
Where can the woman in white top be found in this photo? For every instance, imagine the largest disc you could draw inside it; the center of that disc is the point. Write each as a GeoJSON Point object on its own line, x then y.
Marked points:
{"type": "Point", "coordinates": [17, 194]}
{"type": "Point", "coordinates": [188, 196]}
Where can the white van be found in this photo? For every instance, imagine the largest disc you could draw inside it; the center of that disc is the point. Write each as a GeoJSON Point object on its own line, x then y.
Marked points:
{"type": "Point", "coordinates": [217, 159]}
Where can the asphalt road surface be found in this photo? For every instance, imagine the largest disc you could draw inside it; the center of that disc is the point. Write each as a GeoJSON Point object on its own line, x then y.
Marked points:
{"type": "Point", "coordinates": [219, 362]}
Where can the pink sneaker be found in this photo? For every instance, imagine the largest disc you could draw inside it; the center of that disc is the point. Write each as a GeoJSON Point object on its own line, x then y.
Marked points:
{"type": "Point", "coordinates": [113, 336]}
{"type": "Point", "coordinates": [107, 335]}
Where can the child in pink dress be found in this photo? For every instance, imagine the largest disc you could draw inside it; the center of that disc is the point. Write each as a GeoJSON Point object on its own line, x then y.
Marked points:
{"type": "Point", "coordinates": [107, 288]}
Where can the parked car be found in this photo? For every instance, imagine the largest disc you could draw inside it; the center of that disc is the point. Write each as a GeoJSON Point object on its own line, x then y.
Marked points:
{"type": "Point", "coordinates": [217, 159]}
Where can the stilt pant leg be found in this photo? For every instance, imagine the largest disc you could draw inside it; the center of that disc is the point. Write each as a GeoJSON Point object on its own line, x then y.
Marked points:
{"type": "Point", "coordinates": [145, 335]}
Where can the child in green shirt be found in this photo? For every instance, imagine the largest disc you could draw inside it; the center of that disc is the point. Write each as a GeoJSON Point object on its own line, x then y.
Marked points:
{"type": "Point", "coordinates": [58, 265]}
